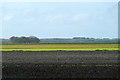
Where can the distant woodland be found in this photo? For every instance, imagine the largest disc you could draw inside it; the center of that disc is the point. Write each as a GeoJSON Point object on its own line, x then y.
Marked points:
{"type": "Point", "coordinates": [33, 39]}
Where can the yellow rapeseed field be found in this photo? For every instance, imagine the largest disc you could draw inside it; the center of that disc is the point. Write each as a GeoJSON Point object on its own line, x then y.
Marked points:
{"type": "Point", "coordinates": [64, 46]}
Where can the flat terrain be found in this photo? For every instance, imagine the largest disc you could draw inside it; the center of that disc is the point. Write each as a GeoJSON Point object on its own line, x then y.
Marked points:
{"type": "Point", "coordinates": [62, 46]}
{"type": "Point", "coordinates": [56, 47]}
{"type": "Point", "coordinates": [0, 64]}
{"type": "Point", "coordinates": [60, 64]}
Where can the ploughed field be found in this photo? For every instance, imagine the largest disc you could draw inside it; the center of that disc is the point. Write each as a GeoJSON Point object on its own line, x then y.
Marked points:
{"type": "Point", "coordinates": [60, 64]}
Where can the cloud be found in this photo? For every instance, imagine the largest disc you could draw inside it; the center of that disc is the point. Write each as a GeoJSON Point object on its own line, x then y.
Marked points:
{"type": "Point", "coordinates": [27, 11]}
{"type": "Point", "coordinates": [1, 9]}
{"type": "Point", "coordinates": [8, 17]}
{"type": "Point", "coordinates": [65, 18]}
{"type": "Point", "coordinates": [54, 18]}
{"type": "Point", "coordinates": [78, 17]}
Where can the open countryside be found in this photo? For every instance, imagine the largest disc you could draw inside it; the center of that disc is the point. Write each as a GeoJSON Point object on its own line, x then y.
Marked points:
{"type": "Point", "coordinates": [55, 47]}
{"type": "Point", "coordinates": [59, 40]}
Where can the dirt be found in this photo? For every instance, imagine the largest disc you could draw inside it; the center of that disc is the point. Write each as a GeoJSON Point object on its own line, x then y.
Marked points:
{"type": "Point", "coordinates": [59, 64]}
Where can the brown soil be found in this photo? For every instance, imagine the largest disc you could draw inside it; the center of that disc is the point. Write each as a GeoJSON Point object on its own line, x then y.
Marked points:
{"type": "Point", "coordinates": [59, 64]}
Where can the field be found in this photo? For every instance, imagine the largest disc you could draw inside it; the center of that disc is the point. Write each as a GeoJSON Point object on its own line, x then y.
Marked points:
{"type": "Point", "coordinates": [60, 64]}
{"type": "Point", "coordinates": [60, 60]}
{"type": "Point", "coordinates": [56, 47]}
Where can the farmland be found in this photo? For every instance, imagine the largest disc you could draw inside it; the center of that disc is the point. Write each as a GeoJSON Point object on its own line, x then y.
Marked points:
{"type": "Point", "coordinates": [55, 47]}
{"type": "Point", "coordinates": [59, 39]}
{"type": "Point", "coordinates": [60, 60]}
{"type": "Point", "coordinates": [60, 64]}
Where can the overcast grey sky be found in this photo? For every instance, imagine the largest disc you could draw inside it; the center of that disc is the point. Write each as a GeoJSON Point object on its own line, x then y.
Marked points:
{"type": "Point", "coordinates": [60, 19]}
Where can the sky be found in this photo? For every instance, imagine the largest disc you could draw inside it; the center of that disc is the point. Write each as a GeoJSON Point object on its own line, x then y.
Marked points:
{"type": "Point", "coordinates": [59, 0]}
{"type": "Point", "coordinates": [59, 19]}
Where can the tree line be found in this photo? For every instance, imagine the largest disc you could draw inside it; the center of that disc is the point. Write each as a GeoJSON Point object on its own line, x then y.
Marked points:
{"type": "Point", "coordinates": [23, 39]}
{"type": "Point", "coordinates": [33, 39]}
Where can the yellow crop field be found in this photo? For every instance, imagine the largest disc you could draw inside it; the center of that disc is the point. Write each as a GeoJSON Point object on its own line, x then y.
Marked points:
{"type": "Point", "coordinates": [63, 46]}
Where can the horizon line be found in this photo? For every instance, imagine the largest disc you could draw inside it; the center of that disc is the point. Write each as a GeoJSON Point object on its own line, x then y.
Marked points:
{"type": "Point", "coordinates": [65, 37]}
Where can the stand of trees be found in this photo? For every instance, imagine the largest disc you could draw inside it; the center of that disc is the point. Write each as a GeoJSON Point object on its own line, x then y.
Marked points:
{"type": "Point", "coordinates": [24, 39]}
